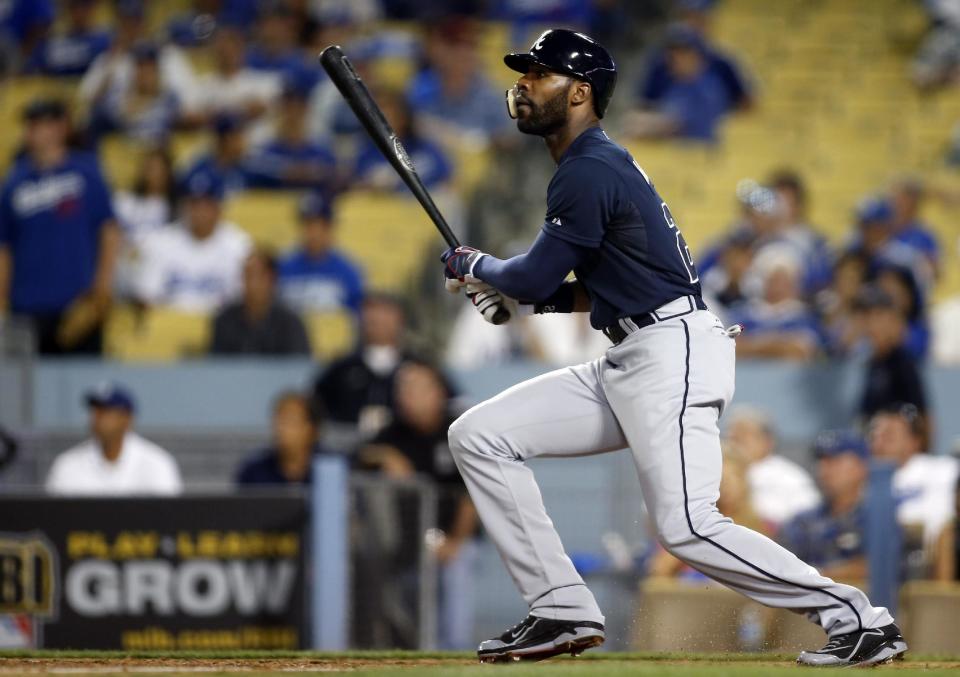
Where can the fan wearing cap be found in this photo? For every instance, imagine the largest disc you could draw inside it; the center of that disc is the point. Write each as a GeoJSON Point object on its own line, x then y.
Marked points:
{"type": "Point", "coordinates": [316, 276]}
{"type": "Point", "coordinates": [194, 264]}
{"type": "Point", "coordinates": [58, 237]}
{"type": "Point", "coordinates": [116, 461]}
{"type": "Point", "coordinates": [831, 537]}
{"type": "Point", "coordinates": [291, 159]}
{"type": "Point", "coordinates": [229, 153]}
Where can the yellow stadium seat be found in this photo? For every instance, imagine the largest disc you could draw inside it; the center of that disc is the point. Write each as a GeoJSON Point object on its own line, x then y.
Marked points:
{"type": "Point", "coordinates": [270, 217]}
{"type": "Point", "coordinates": [332, 334]}
{"type": "Point", "coordinates": [156, 335]}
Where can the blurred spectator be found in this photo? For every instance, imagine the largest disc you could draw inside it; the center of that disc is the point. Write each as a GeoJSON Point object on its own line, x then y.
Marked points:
{"type": "Point", "coordinates": [906, 201]}
{"type": "Point", "coordinates": [291, 159]}
{"type": "Point", "coordinates": [112, 74]}
{"type": "Point", "coordinates": [723, 281]}
{"type": "Point", "coordinates": [195, 26]}
{"type": "Point", "coordinates": [837, 304]}
{"type": "Point", "coordinates": [117, 461]}
{"type": "Point", "coordinates": [143, 210]}
{"type": "Point", "coordinates": [58, 237]}
{"type": "Point", "coordinates": [901, 286]}
{"type": "Point", "coordinates": [695, 21]}
{"type": "Point", "coordinates": [690, 98]}
{"type": "Point", "coordinates": [779, 488]}
{"type": "Point", "coordinates": [228, 158]}
{"type": "Point", "coordinates": [23, 24]}
{"type": "Point", "coordinates": [923, 484]}
{"type": "Point", "coordinates": [373, 170]}
{"type": "Point", "coordinates": [195, 264]}
{"type": "Point", "coordinates": [832, 537]}
{"type": "Point", "coordinates": [70, 51]}
{"type": "Point", "coordinates": [778, 324]}
{"type": "Point", "coordinates": [233, 87]}
{"type": "Point", "coordinates": [275, 49]}
{"type": "Point", "coordinates": [892, 373]}
{"type": "Point", "coordinates": [937, 62]}
{"type": "Point", "coordinates": [452, 97]}
{"type": "Point", "coordinates": [799, 233]}
{"type": "Point", "coordinates": [147, 110]}
{"type": "Point", "coordinates": [316, 277]}
{"type": "Point", "coordinates": [259, 324]}
{"type": "Point", "coordinates": [288, 459]}
{"type": "Point", "coordinates": [151, 202]}
{"type": "Point", "coordinates": [875, 242]}
{"type": "Point", "coordinates": [416, 443]}
{"type": "Point", "coordinates": [357, 390]}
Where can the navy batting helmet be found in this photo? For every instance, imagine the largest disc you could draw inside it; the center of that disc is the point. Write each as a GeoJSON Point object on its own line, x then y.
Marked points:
{"type": "Point", "coordinates": [574, 54]}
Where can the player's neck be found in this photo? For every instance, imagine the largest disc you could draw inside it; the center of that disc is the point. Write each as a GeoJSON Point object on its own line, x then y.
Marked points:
{"type": "Point", "coordinates": [558, 142]}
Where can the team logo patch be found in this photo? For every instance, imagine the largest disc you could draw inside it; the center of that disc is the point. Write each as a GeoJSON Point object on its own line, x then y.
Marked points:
{"type": "Point", "coordinates": [27, 575]}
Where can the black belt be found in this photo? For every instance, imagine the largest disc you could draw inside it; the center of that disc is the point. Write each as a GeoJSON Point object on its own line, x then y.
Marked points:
{"type": "Point", "coordinates": [616, 332]}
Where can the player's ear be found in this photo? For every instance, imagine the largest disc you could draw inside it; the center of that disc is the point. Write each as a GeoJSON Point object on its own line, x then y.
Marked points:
{"type": "Point", "coordinates": [581, 92]}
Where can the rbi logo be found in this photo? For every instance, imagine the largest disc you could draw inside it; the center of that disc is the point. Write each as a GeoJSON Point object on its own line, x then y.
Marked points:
{"type": "Point", "coordinates": [27, 575]}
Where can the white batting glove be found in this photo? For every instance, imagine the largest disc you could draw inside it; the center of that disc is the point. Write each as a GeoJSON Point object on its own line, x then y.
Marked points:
{"type": "Point", "coordinates": [484, 298]}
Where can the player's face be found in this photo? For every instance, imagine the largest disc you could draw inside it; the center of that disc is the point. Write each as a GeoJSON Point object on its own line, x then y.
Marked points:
{"type": "Point", "coordinates": [543, 104]}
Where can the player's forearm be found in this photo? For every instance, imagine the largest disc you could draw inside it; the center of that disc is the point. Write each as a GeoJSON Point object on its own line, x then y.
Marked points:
{"type": "Point", "coordinates": [534, 275]}
{"type": "Point", "coordinates": [465, 521]}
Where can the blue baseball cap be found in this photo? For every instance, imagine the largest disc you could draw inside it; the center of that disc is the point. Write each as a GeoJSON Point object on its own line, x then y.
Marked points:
{"type": "Point", "coordinates": [225, 123]}
{"type": "Point", "coordinates": [203, 183]}
{"type": "Point", "coordinates": [833, 443]}
{"type": "Point", "coordinates": [111, 395]}
{"type": "Point", "coordinates": [315, 205]}
{"type": "Point", "coordinates": [874, 211]}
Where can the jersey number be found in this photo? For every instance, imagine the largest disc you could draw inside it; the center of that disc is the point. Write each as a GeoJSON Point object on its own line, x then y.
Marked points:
{"type": "Point", "coordinates": [685, 256]}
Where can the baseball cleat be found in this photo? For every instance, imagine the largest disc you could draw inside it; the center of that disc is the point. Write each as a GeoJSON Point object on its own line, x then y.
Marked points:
{"type": "Point", "coordinates": [536, 638]}
{"type": "Point", "coordinates": [865, 647]}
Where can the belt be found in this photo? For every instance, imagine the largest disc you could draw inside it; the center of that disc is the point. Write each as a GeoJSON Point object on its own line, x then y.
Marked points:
{"type": "Point", "coordinates": [668, 311]}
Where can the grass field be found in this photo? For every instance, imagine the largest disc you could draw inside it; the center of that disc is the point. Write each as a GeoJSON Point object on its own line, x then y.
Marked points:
{"type": "Point", "coordinates": [398, 664]}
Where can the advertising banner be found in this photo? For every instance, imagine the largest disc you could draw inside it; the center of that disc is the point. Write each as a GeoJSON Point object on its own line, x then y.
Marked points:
{"type": "Point", "coordinates": [190, 573]}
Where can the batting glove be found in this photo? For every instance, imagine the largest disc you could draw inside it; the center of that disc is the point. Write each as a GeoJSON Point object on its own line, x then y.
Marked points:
{"type": "Point", "coordinates": [459, 264]}
{"type": "Point", "coordinates": [485, 299]}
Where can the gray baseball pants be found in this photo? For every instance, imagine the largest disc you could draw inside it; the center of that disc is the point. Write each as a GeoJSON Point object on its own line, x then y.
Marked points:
{"type": "Point", "coordinates": [660, 392]}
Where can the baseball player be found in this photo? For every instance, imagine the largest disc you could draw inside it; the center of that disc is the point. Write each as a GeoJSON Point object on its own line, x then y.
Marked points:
{"type": "Point", "coordinates": [659, 390]}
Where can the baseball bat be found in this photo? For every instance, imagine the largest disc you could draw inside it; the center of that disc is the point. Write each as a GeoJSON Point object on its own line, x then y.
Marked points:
{"type": "Point", "coordinates": [356, 94]}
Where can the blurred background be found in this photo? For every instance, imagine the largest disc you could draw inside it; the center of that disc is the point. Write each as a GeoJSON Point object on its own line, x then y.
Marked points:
{"type": "Point", "coordinates": [213, 287]}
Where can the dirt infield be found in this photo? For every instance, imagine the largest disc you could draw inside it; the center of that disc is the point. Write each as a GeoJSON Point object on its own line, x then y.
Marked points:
{"type": "Point", "coordinates": [438, 665]}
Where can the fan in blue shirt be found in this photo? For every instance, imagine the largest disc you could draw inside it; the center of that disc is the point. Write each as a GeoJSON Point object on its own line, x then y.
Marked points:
{"type": "Point", "coordinates": [58, 236]}
{"type": "Point", "coordinates": [71, 52]}
{"type": "Point", "coordinates": [292, 159]}
{"type": "Point", "coordinates": [315, 277]}
{"type": "Point", "coordinates": [431, 161]}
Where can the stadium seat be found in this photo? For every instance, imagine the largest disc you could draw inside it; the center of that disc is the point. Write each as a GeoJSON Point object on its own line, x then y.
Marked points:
{"type": "Point", "coordinates": [332, 334]}
{"type": "Point", "coordinates": [155, 335]}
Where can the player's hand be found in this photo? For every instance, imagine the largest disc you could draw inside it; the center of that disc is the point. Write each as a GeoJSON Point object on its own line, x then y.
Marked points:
{"type": "Point", "coordinates": [485, 299]}
{"type": "Point", "coordinates": [459, 264]}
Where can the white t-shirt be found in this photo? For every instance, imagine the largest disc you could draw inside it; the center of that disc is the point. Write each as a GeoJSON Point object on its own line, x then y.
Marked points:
{"type": "Point", "coordinates": [780, 489]}
{"type": "Point", "coordinates": [198, 276]}
{"type": "Point", "coordinates": [924, 490]}
{"type": "Point", "coordinates": [235, 92]}
{"type": "Point", "coordinates": [141, 468]}
{"type": "Point", "coordinates": [115, 72]}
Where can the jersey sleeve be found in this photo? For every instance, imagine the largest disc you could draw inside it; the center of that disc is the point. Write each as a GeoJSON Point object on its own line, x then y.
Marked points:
{"type": "Point", "coordinates": [7, 221]}
{"type": "Point", "coordinates": [581, 200]}
{"type": "Point", "coordinates": [99, 202]}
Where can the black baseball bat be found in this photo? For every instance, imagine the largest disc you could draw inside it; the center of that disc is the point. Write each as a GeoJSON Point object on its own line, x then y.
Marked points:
{"type": "Point", "coordinates": [356, 94]}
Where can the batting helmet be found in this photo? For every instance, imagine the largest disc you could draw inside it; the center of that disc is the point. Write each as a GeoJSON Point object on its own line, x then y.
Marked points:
{"type": "Point", "coordinates": [574, 54]}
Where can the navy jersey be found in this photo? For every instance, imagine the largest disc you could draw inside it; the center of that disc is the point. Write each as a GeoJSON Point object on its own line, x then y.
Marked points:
{"type": "Point", "coordinates": [600, 199]}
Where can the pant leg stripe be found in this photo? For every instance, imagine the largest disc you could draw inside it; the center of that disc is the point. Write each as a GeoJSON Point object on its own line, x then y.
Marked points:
{"type": "Point", "coordinates": [686, 506]}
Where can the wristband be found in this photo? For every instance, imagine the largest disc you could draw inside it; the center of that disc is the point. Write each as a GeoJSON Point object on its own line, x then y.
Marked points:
{"type": "Point", "coordinates": [560, 301]}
